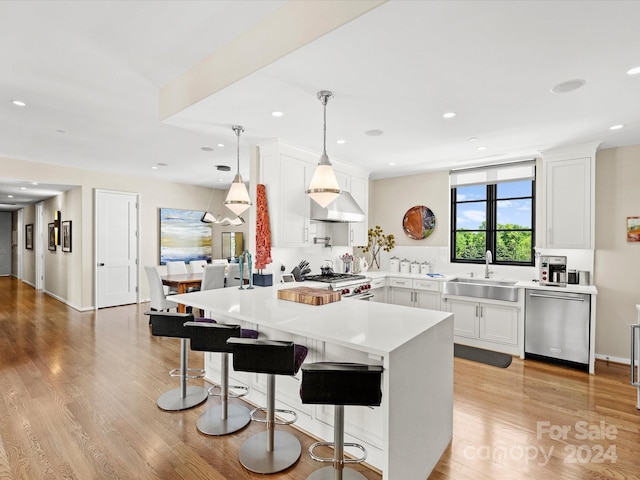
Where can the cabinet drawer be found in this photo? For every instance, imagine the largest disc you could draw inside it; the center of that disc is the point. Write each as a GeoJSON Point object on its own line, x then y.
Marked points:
{"type": "Point", "coordinates": [378, 283]}
{"type": "Point", "coordinates": [426, 285]}
{"type": "Point", "coordinates": [400, 282]}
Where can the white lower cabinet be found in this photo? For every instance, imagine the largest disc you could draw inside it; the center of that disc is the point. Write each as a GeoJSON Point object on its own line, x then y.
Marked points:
{"type": "Point", "coordinates": [414, 293]}
{"type": "Point", "coordinates": [379, 290]}
{"type": "Point", "coordinates": [490, 322]}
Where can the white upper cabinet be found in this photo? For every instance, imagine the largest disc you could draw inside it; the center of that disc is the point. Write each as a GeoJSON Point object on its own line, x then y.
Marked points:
{"type": "Point", "coordinates": [286, 175]}
{"type": "Point", "coordinates": [569, 197]}
{"type": "Point", "coordinates": [286, 171]}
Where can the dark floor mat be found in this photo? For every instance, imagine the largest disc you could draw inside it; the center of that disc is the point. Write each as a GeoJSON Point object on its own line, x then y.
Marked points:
{"type": "Point", "coordinates": [496, 359]}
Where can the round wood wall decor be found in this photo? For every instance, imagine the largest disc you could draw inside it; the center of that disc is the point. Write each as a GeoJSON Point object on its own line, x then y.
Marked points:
{"type": "Point", "coordinates": [418, 222]}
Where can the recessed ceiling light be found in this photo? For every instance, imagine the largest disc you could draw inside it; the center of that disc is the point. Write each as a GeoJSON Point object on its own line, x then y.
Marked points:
{"type": "Point", "coordinates": [23, 188]}
{"type": "Point", "coordinates": [633, 71]}
{"type": "Point", "coordinates": [9, 196]}
{"type": "Point", "coordinates": [341, 142]}
{"type": "Point", "coordinates": [472, 139]}
{"type": "Point", "coordinates": [220, 145]}
{"type": "Point", "coordinates": [154, 167]}
{"type": "Point", "coordinates": [568, 86]}
{"type": "Point", "coordinates": [391, 164]}
{"type": "Point", "coordinates": [276, 113]}
{"type": "Point", "coordinates": [18, 103]}
{"type": "Point", "coordinates": [206, 149]}
{"type": "Point", "coordinates": [449, 115]}
{"type": "Point", "coordinates": [34, 183]}
{"type": "Point", "coordinates": [374, 133]}
{"type": "Point", "coordinates": [616, 127]}
{"type": "Point", "coordinates": [482, 147]}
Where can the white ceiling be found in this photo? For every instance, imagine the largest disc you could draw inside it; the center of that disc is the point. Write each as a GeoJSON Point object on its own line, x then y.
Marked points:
{"type": "Point", "coordinates": [93, 69]}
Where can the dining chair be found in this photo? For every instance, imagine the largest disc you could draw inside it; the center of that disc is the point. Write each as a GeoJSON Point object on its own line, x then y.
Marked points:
{"type": "Point", "coordinates": [159, 300]}
{"type": "Point", "coordinates": [197, 266]}
{"type": "Point", "coordinates": [224, 261]}
{"type": "Point", "coordinates": [233, 276]}
{"type": "Point", "coordinates": [176, 268]}
{"type": "Point", "coordinates": [213, 277]}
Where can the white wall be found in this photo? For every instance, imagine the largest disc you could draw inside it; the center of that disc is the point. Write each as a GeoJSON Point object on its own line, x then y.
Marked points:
{"type": "Point", "coordinates": [73, 273]}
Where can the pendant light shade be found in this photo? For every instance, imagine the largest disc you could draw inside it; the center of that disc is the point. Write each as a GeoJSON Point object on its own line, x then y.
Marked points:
{"type": "Point", "coordinates": [238, 197]}
{"type": "Point", "coordinates": [324, 187]}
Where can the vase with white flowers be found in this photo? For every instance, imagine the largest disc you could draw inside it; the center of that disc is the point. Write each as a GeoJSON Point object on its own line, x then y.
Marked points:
{"type": "Point", "coordinates": [378, 241]}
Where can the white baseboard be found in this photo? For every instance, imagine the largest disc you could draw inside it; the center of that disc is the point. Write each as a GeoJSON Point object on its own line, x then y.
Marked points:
{"type": "Point", "coordinates": [610, 358]}
{"type": "Point", "coordinates": [67, 303]}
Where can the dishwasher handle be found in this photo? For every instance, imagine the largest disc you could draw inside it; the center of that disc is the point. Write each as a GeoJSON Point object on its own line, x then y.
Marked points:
{"type": "Point", "coordinates": [634, 347]}
{"type": "Point", "coordinates": [558, 297]}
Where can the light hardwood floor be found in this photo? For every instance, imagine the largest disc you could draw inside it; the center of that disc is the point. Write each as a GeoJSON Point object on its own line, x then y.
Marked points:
{"type": "Point", "coordinates": [78, 393]}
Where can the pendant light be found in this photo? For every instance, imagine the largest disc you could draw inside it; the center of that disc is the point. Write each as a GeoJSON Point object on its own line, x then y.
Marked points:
{"type": "Point", "coordinates": [238, 197]}
{"type": "Point", "coordinates": [324, 187]}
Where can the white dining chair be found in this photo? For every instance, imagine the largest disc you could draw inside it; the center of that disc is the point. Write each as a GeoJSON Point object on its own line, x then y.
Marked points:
{"type": "Point", "coordinates": [159, 300]}
{"type": "Point", "coordinates": [233, 276]}
{"type": "Point", "coordinates": [213, 277]}
{"type": "Point", "coordinates": [224, 261]}
{"type": "Point", "coordinates": [176, 268]}
{"type": "Point", "coordinates": [197, 266]}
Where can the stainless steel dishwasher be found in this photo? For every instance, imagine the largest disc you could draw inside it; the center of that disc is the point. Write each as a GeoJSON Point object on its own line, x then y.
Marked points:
{"type": "Point", "coordinates": [557, 326]}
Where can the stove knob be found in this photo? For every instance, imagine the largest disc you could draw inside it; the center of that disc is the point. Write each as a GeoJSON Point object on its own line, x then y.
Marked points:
{"type": "Point", "coordinates": [344, 291]}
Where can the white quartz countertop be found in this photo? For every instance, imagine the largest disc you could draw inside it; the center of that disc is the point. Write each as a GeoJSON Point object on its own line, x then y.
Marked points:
{"type": "Point", "coordinates": [371, 327]}
{"type": "Point", "coordinates": [589, 289]}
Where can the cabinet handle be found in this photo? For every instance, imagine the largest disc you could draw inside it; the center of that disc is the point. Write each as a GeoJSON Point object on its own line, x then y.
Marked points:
{"type": "Point", "coordinates": [476, 310]}
{"type": "Point", "coordinates": [352, 235]}
{"type": "Point", "coordinates": [306, 234]}
{"type": "Point", "coordinates": [481, 307]}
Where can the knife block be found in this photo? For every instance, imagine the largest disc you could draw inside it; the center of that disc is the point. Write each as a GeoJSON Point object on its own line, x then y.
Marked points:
{"type": "Point", "coordinates": [263, 279]}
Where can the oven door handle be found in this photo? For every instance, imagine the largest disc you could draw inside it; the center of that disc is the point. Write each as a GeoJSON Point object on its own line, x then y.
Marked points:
{"type": "Point", "coordinates": [366, 296]}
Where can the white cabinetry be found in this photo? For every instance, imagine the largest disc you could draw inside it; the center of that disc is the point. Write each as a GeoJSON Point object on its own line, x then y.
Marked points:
{"type": "Point", "coordinates": [414, 293]}
{"type": "Point", "coordinates": [570, 197]}
{"type": "Point", "coordinates": [379, 290]}
{"type": "Point", "coordinates": [286, 172]}
{"type": "Point", "coordinates": [490, 324]}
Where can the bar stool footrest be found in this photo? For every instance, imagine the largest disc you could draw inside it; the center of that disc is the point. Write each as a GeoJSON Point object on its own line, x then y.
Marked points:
{"type": "Point", "coordinates": [276, 421]}
{"type": "Point", "coordinates": [177, 372]}
{"type": "Point", "coordinates": [230, 392]}
{"type": "Point", "coordinates": [333, 459]}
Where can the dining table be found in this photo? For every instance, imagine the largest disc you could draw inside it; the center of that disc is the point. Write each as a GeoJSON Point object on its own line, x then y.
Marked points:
{"type": "Point", "coordinates": [182, 283]}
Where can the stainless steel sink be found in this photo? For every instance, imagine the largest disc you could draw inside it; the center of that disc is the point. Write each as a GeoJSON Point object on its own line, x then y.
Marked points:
{"type": "Point", "coordinates": [504, 290]}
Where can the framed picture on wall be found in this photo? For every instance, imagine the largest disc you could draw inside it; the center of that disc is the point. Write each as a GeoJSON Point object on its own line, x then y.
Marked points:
{"type": "Point", "coordinates": [28, 236]}
{"type": "Point", "coordinates": [52, 237]}
{"type": "Point", "coordinates": [66, 236]}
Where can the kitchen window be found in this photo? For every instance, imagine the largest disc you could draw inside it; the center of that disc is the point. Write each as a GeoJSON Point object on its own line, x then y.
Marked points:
{"type": "Point", "coordinates": [493, 208]}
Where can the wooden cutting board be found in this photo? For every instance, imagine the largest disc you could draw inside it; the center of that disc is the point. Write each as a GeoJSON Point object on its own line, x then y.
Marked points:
{"type": "Point", "coordinates": [308, 295]}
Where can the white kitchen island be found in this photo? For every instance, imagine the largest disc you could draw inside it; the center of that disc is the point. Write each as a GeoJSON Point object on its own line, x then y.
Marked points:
{"type": "Point", "coordinates": [408, 433]}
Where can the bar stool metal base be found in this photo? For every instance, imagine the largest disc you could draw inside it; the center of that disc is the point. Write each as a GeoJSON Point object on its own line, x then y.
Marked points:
{"type": "Point", "coordinates": [329, 473]}
{"type": "Point", "coordinates": [174, 401]}
{"type": "Point", "coordinates": [255, 457]}
{"type": "Point", "coordinates": [212, 423]}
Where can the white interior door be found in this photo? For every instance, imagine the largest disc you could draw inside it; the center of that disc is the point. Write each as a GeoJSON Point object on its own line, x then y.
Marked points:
{"type": "Point", "coordinates": [116, 248]}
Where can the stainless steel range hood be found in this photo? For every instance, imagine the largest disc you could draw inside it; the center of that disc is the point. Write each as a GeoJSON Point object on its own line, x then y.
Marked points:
{"type": "Point", "coordinates": [342, 209]}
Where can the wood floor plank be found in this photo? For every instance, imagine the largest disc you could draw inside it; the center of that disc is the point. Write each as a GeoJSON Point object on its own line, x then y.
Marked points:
{"type": "Point", "coordinates": [78, 397]}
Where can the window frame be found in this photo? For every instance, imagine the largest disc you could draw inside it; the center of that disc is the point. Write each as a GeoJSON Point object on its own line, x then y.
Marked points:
{"type": "Point", "coordinates": [491, 232]}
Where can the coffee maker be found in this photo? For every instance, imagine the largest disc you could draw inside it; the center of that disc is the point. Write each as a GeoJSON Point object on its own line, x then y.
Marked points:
{"type": "Point", "coordinates": [553, 271]}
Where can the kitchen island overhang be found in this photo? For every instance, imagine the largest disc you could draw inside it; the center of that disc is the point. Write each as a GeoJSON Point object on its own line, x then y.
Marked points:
{"type": "Point", "coordinates": [414, 346]}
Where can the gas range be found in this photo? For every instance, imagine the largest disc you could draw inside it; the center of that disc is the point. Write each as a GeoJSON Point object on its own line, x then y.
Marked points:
{"type": "Point", "coordinates": [349, 285]}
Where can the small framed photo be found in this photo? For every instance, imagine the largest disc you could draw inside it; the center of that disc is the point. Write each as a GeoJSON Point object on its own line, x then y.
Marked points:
{"type": "Point", "coordinates": [633, 229]}
{"type": "Point", "coordinates": [66, 236]}
{"type": "Point", "coordinates": [52, 237]}
{"type": "Point", "coordinates": [28, 236]}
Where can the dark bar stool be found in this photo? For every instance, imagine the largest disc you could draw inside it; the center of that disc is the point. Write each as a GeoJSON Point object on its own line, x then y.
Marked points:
{"type": "Point", "coordinates": [165, 324]}
{"type": "Point", "coordinates": [269, 451]}
{"type": "Point", "coordinates": [340, 384]}
{"type": "Point", "coordinates": [208, 336]}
